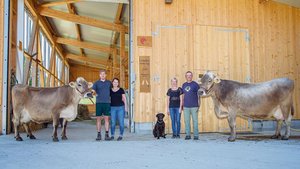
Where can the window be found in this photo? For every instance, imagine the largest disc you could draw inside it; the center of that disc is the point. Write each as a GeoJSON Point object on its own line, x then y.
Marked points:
{"type": "Point", "coordinates": [28, 24]}
{"type": "Point", "coordinates": [58, 68]}
{"type": "Point", "coordinates": [46, 49]}
{"type": "Point", "coordinates": [66, 74]}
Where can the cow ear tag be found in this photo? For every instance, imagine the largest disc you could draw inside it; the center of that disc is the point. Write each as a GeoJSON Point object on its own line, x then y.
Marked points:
{"type": "Point", "coordinates": [72, 84]}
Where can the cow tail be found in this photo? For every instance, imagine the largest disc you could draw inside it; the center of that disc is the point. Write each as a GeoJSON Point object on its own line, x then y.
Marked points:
{"type": "Point", "coordinates": [292, 110]}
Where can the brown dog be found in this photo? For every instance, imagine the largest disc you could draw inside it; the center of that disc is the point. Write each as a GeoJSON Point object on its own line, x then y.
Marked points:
{"type": "Point", "coordinates": [159, 128]}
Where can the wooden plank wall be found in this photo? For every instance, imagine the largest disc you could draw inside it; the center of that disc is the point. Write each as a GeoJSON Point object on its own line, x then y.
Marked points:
{"type": "Point", "coordinates": [1, 57]}
{"type": "Point", "coordinates": [274, 30]}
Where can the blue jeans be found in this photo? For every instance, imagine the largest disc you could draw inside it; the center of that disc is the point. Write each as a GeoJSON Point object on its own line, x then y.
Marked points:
{"type": "Point", "coordinates": [175, 118]}
{"type": "Point", "coordinates": [117, 113]}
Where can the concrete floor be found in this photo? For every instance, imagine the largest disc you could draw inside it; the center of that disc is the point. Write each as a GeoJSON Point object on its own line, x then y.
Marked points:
{"type": "Point", "coordinates": [143, 151]}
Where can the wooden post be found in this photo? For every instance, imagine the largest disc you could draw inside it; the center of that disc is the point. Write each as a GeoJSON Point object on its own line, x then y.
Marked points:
{"type": "Point", "coordinates": [122, 55]}
{"type": "Point", "coordinates": [30, 51]}
{"type": "Point", "coordinates": [39, 56]}
{"type": "Point", "coordinates": [114, 64]}
{"type": "Point", "coordinates": [52, 62]}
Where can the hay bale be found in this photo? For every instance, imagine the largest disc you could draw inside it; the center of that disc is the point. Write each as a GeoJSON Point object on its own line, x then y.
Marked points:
{"type": "Point", "coordinates": [83, 112]}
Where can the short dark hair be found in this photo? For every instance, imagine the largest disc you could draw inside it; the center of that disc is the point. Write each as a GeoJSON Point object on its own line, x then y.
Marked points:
{"type": "Point", "coordinates": [117, 80]}
{"type": "Point", "coordinates": [189, 72]}
{"type": "Point", "coordinates": [102, 70]}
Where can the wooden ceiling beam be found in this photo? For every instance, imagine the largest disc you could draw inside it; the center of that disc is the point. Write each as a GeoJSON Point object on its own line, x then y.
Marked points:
{"type": "Point", "coordinates": [72, 10]}
{"type": "Point", "coordinates": [117, 21]}
{"type": "Point", "coordinates": [82, 20]}
{"type": "Point", "coordinates": [82, 44]}
{"type": "Point", "coordinates": [49, 4]}
{"type": "Point", "coordinates": [86, 64]}
{"type": "Point", "coordinates": [86, 59]}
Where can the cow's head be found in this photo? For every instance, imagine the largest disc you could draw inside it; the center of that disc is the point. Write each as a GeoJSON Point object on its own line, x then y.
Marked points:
{"type": "Point", "coordinates": [83, 88]}
{"type": "Point", "coordinates": [207, 83]}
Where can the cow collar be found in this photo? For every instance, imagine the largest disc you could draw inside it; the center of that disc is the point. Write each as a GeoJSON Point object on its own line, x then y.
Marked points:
{"type": "Point", "coordinates": [79, 91]}
{"type": "Point", "coordinates": [160, 122]}
{"type": "Point", "coordinates": [209, 90]}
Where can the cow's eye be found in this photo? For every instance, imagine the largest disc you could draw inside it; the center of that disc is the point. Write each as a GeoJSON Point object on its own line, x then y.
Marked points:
{"type": "Point", "coordinates": [79, 85]}
{"type": "Point", "coordinates": [209, 80]}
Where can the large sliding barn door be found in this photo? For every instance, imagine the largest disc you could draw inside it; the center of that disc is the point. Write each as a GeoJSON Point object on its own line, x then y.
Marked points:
{"type": "Point", "coordinates": [177, 49]}
{"type": "Point", "coordinates": [224, 51]}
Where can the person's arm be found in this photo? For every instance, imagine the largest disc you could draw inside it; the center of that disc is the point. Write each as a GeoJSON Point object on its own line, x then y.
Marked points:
{"type": "Point", "coordinates": [125, 102]}
{"type": "Point", "coordinates": [199, 98]}
{"type": "Point", "coordinates": [168, 103]}
{"type": "Point", "coordinates": [181, 103]}
{"type": "Point", "coordinates": [94, 89]}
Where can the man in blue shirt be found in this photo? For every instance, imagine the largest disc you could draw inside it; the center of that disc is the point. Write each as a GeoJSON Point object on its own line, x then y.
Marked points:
{"type": "Point", "coordinates": [191, 103]}
{"type": "Point", "coordinates": [102, 89]}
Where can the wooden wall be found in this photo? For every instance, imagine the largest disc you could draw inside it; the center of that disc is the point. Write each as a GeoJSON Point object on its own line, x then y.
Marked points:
{"type": "Point", "coordinates": [1, 57]}
{"type": "Point", "coordinates": [271, 43]}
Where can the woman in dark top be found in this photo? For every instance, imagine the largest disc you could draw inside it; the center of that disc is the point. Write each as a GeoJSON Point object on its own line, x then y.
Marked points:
{"type": "Point", "coordinates": [118, 107]}
{"type": "Point", "coordinates": [174, 104]}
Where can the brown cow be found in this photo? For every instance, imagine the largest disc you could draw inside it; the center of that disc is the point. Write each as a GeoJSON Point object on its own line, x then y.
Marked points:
{"type": "Point", "coordinates": [42, 105]}
{"type": "Point", "coordinates": [260, 100]}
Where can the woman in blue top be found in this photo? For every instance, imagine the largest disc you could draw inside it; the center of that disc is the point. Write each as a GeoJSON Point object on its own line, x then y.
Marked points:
{"type": "Point", "coordinates": [118, 107]}
{"type": "Point", "coordinates": [174, 104]}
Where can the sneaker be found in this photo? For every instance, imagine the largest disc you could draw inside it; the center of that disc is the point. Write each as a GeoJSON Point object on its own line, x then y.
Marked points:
{"type": "Point", "coordinates": [107, 138]}
{"type": "Point", "coordinates": [112, 137]}
{"type": "Point", "coordinates": [98, 137]}
{"type": "Point", "coordinates": [187, 137]}
{"type": "Point", "coordinates": [174, 136]}
{"type": "Point", "coordinates": [120, 138]}
{"type": "Point", "coordinates": [178, 136]}
{"type": "Point", "coordinates": [196, 138]}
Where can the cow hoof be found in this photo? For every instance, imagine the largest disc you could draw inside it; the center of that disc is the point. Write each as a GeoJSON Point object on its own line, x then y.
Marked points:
{"type": "Point", "coordinates": [64, 138]}
{"type": "Point", "coordinates": [284, 138]}
{"type": "Point", "coordinates": [276, 137]}
{"type": "Point", "coordinates": [231, 139]}
{"type": "Point", "coordinates": [55, 139]}
{"type": "Point", "coordinates": [32, 137]}
{"type": "Point", "coordinates": [19, 139]}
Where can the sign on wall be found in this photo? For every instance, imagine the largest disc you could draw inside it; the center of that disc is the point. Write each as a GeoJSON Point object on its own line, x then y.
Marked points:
{"type": "Point", "coordinates": [145, 41]}
{"type": "Point", "coordinates": [144, 74]}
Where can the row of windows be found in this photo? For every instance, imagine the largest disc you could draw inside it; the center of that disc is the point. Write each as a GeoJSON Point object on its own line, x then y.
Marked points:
{"type": "Point", "coordinates": [46, 50]}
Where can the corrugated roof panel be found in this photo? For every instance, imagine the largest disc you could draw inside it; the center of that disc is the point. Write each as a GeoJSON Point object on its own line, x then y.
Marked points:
{"type": "Point", "coordinates": [93, 53]}
{"type": "Point", "coordinates": [72, 49]}
{"type": "Point", "coordinates": [97, 10]}
{"type": "Point", "coordinates": [92, 34]}
{"type": "Point", "coordinates": [65, 28]}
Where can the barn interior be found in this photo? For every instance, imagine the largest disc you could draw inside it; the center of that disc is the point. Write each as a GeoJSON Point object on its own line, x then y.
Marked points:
{"type": "Point", "coordinates": [59, 41]}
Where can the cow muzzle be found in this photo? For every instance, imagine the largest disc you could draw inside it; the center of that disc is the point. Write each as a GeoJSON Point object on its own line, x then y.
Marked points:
{"type": "Point", "coordinates": [202, 92]}
{"type": "Point", "coordinates": [88, 95]}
